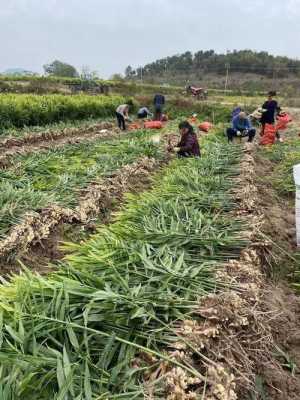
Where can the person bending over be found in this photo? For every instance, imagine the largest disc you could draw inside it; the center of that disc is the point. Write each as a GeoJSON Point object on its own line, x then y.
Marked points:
{"type": "Point", "coordinates": [144, 112]}
{"type": "Point", "coordinates": [122, 115]}
{"type": "Point", "coordinates": [188, 145]}
{"type": "Point", "coordinates": [241, 127]}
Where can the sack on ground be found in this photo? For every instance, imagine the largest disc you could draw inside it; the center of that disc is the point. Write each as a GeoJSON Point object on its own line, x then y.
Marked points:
{"type": "Point", "coordinates": [133, 127]}
{"type": "Point", "coordinates": [205, 126]}
{"type": "Point", "coordinates": [268, 137]}
{"type": "Point", "coordinates": [283, 121]}
{"type": "Point", "coordinates": [153, 125]}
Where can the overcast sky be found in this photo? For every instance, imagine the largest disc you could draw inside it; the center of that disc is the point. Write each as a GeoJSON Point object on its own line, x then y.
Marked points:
{"type": "Point", "coordinates": [108, 35]}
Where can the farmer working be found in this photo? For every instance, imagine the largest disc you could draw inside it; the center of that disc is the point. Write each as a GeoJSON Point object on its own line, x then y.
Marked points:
{"type": "Point", "coordinates": [270, 108]}
{"type": "Point", "coordinates": [241, 127]}
{"type": "Point", "coordinates": [144, 112]}
{"type": "Point", "coordinates": [159, 102]}
{"type": "Point", "coordinates": [122, 115]}
{"type": "Point", "coordinates": [188, 145]}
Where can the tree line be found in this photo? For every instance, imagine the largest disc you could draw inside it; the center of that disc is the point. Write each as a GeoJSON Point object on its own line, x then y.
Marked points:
{"type": "Point", "coordinates": [244, 61]}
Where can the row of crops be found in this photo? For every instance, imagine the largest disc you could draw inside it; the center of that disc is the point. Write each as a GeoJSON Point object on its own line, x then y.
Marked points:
{"type": "Point", "coordinates": [57, 176]}
{"type": "Point", "coordinates": [76, 333]}
{"type": "Point", "coordinates": [19, 111]}
{"type": "Point", "coordinates": [30, 110]}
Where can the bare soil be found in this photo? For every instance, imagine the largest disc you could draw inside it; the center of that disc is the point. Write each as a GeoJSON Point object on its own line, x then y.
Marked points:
{"type": "Point", "coordinates": [281, 302]}
{"type": "Point", "coordinates": [279, 212]}
{"type": "Point", "coordinates": [283, 307]}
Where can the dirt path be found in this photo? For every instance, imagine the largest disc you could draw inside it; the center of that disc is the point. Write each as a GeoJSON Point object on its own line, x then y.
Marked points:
{"type": "Point", "coordinates": [281, 302]}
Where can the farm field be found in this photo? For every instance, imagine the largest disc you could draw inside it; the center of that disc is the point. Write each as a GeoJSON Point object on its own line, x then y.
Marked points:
{"type": "Point", "coordinates": [63, 86]}
{"type": "Point", "coordinates": [52, 177]}
{"type": "Point", "coordinates": [25, 117]}
{"type": "Point", "coordinates": [181, 228]}
{"type": "Point", "coordinates": [66, 183]}
{"type": "Point", "coordinates": [149, 200]}
{"type": "Point", "coordinates": [47, 172]}
{"type": "Point", "coordinates": [162, 286]}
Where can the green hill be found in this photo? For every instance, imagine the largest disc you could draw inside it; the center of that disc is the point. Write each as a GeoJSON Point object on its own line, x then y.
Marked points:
{"type": "Point", "coordinates": [245, 69]}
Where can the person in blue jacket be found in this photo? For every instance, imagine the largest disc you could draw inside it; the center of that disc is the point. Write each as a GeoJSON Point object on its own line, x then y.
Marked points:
{"type": "Point", "coordinates": [241, 127]}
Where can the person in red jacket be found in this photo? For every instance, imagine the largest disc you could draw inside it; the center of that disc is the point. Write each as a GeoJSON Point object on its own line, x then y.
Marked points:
{"type": "Point", "coordinates": [188, 145]}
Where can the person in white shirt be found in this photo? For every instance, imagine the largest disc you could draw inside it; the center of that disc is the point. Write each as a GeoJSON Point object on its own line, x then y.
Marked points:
{"type": "Point", "coordinates": [122, 115]}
